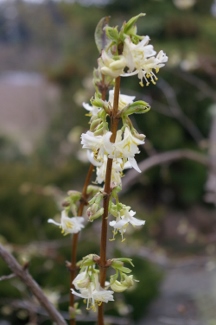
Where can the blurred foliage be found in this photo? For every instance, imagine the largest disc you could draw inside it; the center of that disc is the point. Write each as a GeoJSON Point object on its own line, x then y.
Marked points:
{"type": "Point", "coordinates": [31, 188]}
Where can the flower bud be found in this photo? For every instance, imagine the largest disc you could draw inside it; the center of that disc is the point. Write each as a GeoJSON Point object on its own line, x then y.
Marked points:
{"type": "Point", "coordinates": [74, 195]}
{"type": "Point", "coordinates": [138, 107]}
{"type": "Point", "coordinates": [112, 33]}
{"type": "Point", "coordinates": [88, 260]}
{"type": "Point", "coordinates": [117, 286]}
{"type": "Point", "coordinates": [95, 123]}
{"type": "Point", "coordinates": [100, 130]}
{"type": "Point", "coordinates": [93, 189]}
{"type": "Point", "coordinates": [128, 280]}
{"type": "Point", "coordinates": [93, 212]}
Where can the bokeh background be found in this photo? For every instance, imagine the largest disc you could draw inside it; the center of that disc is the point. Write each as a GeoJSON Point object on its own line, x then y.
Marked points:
{"type": "Point", "coordinates": [47, 53]}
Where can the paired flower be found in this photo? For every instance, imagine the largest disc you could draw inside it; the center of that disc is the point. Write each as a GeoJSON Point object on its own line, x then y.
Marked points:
{"type": "Point", "coordinates": [87, 282]}
{"type": "Point", "coordinates": [122, 152]}
{"type": "Point", "coordinates": [136, 59]}
{"type": "Point", "coordinates": [124, 100]}
{"type": "Point", "coordinates": [141, 60]}
{"type": "Point", "coordinates": [124, 217]}
{"type": "Point", "coordinates": [123, 148]}
{"type": "Point", "coordinates": [69, 225]}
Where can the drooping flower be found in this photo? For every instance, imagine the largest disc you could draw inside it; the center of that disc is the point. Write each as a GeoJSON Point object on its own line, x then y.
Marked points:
{"type": "Point", "coordinates": [91, 141]}
{"type": "Point", "coordinates": [92, 292]}
{"type": "Point", "coordinates": [69, 225]}
{"type": "Point", "coordinates": [124, 218]}
{"type": "Point", "coordinates": [116, 174]}
{"type": "Point", "coordinates": [124, 100]}
{"type": "Point", "coordinates": [111, 66]}
{"type": "Point", "coordinates": [141, 60]}
{"type": "Point", "coordinates": [81, 281]}
{"type": "Point", "coordinates": [125, 148]}
{"type": "Point", "coordinates": [93, 110]}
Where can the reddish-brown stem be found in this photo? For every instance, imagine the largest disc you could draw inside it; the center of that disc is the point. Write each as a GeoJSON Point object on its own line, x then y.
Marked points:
{"type": "Point", "coordinates": [80, 212]}
{"type": "Point", "coordinates": [107, 191]}
{"type": "Point", "coordinates": [76, 236]}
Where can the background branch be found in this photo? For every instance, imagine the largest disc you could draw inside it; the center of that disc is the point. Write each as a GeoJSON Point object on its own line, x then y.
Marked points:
{"type": "Point", "coordinates": [132, 176]}
{"type": "Point", "coordinates": [23, 274]}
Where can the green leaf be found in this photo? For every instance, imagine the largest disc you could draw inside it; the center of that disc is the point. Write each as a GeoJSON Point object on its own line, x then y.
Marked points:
{"type": "Point", "coordinates": [130, 24]}
{"type": "Point", "coordinates": [100, 34]}
{"type": "Point", "coordinates": [112, 33]}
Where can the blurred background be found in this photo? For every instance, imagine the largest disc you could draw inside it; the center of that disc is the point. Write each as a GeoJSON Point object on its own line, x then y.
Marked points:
{"type": "Point", "coordinates": [47, 53]}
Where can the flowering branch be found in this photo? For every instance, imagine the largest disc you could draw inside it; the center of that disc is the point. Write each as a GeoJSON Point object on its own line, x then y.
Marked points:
{"type": "Point", "coordinates": [107, 192]}
{"type": "Point", "coordinates": [111, 148]}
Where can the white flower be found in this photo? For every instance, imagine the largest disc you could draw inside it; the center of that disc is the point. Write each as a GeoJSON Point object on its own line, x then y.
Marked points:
{"type": "Point", "coordinates": [92, 109]}
{"type": "Point", "coordinates": [126, 148]}
{"type": "Point", "coordinates": [117, 169]}
{"type": "Point", "coordinates": [93, 292]}
{"type": "Point", "coordinates": [125, 217]}
{"type": "Point", "coordinates": [124, 100]}
{"type": "Point", "coordinates": [81, 281]}
{"type": "Point", "coordinates": [110, 66]}
{"type": "Point", "coordinates": [141, 60]}
{"type": "Point", "coordinates": [91, 141]}
{"type": "Point", "coordinates": [69, 225]}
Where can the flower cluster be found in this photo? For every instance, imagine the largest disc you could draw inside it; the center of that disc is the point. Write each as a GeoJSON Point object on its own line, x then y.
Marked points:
{"type": "Point", "coordinates": [88, 285]}
{"type": "Point", "coordinates": [137, 58]}
{"type": "Point", "coordinates": [100, 147]}
{"type": "Point", "coordinates": [87, 282]}
{"type": "Point", "coordinates": [124, 216]}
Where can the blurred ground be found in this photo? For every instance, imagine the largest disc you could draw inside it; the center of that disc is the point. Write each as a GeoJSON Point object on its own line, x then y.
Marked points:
{"type": "Point", "coordinates": [187, 295]}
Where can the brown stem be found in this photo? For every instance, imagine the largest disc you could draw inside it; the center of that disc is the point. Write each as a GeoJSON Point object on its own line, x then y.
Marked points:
{"type": "Point", "coordinates": [75, 239]}
{"type": "Point", "coordinates": [27, 279]}
{"type": "Point", "coordinates": [80, 212]}
{"type": "Point", "coordinates": [107, 190]}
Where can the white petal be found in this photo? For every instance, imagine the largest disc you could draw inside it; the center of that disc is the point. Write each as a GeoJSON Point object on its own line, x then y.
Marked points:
{"type": "Point", "coordinates": [92, 159]}
{"type": "Point", "coordinates": [103, 295]}
{"type": "Point", "coordinates": [136, 222]}
{"type": "Point", "coordinates": [87, 107]}
{"type": "Point", "coordinates": [134, 164]}
{"type": "Point", "coordinates": [54, 222]}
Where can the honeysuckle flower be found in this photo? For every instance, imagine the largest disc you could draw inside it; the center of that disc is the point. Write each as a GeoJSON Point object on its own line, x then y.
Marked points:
{"type": "Point", "coordinates": [126, 148]}
{"type": "Point", "coordinates": [81, 281]}
{"type": "Point", "coordinates": [117, 286]}
{"type": "Point", "coordinates": [126, 282]}
{"type": "Point", "coordinates": [125, 217]}
{"type": "Point", "coordinates": [93, 292]}
{"type": "Point", "coordinates": [69, 225]}
{"type": "Point", "coordinates": [92, 109]}
{"type": "Point", "coordinates": [94, 211]}
{"type": "Point", "coordinates": [124, 100]}
{"type": "Point", "coordinates": [141, 60]}
{"type": "Point", "coordinates": [91, 141]}
{"type": "Point", "coordinates": [116, 175]}
{"type": "Point", "coordinates": [110, 66]}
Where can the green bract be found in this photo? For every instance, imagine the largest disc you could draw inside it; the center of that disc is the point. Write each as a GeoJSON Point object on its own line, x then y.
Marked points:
{"type": "Point", "coordinates": [138, 107]}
